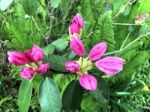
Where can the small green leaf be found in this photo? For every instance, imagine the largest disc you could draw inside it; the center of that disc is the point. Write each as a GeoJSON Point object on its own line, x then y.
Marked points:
{"type": "Point", "coordinates": [60, 44]}
{"type": "Point", "coordinates": [57, 62]}
{"type": "Point", "coordinates": [49, 96]}
{"type": "Point", "coordinates": [25, 93]}
{"type": "Point", "coordinates": [49, 49]}
{"type": "Point", "coordinates": [55, 3]}
{"type": "Point", "coordinates": [72, 96]}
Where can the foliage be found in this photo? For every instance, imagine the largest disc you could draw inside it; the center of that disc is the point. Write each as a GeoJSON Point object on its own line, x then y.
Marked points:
{"type": "Point", "coordinates": [45, 22]}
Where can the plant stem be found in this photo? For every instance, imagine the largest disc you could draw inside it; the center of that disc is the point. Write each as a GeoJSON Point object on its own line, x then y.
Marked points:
{"type": "Point", "coordinates": [138, 38]}
{"type": "Point", "coordinates": [125, 40]}
{"type": "Point", "coordinates": [127, 24]}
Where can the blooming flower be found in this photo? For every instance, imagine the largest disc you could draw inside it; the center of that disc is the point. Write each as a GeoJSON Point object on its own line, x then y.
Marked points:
{"type": "Point", "coordinates": [32, 59]}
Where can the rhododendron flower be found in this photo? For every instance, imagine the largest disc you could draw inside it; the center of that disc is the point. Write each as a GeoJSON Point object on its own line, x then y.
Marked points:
{"type": "Point", "coordinates": [76, 26]}
{"type": "Point", "coordinates": [141, 18]}
{"type": "Point", "coordinates": [88, 82]}
{"type": "Point", "coordinates": [37, 53]}
{"type": "Point", "coordinates": [17, 58]}
{"type": "Point", "coordinates": [32, 59]}
{"type": "Point", "coordinates": [78, 20]}
{"type": "Point", "coordinates": [43, 68]}
{"type": "Point", "coordinates": [110, 65]}
{"type": "Point", "coordinates": [72, 66]}
{"type": "Point", "coordinates": [77, 46]}
{"type": "Point", "coordinates": [27, 73]}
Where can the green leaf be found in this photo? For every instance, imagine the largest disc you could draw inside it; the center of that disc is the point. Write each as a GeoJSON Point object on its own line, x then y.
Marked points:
{"type": "Point", "coordinates": [49, 96]}
{"type": "Point", "coordinates": [30, 6]}
{"type": "Point", "coordinates": [57, 62]}
{"type": "Point", "coordinates": [89, 104]}
{"type": "Point", "coordinates": [60, 44]}
{"type": "Point", "coordinates": [49, 49]}
{"type": "Point", "coordinates": [106, 30]}
{"type": "Point", "coordinates": [55, 3]}
{"type": "Point", "coordinates": [25, 93]}
{"type": "Point", "coordinates": [72, 96]}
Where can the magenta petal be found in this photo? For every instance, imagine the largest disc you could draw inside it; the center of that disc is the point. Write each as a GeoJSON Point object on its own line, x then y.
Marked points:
{"type": "Point", "coordinates": [88, 82]}
{"type": "Point", "coordinates": [78, 20]}
{"type": "Point", "coordinates": [110, 65]}
{"type": "Point", "coordinates": [43, 68]}
{"type": "Point", "coordinates": [17, 58]}
{"type": "Point", "coordinates": [77, 46]}
{"type": "Point", "coordinates": [72, 66]}
{"type": "Point", "coordinates": [37, 53]}
{"type": "Point", "coordinates": [74, 28]}
{"type": "Point", "coordinates": [27, 73]}
{"type": "Point", "coordinates": [97, 51]}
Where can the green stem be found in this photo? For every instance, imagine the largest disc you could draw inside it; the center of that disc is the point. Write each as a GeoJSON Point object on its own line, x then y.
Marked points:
{"type": "Point", "coordinates": [138, 38]}
{"type": "Point", "coordinates": [127, 24]}
{"type": "Point", "coordinates": [125, 40]}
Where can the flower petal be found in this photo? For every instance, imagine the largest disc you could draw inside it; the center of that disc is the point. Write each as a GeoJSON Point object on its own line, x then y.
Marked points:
{"type": "Point", "coordinates": [110, 65]}
{"type": "Point", "coordinates": [88, 82]}
{"type": "Point", "coordinates": [97, 51]}
{"type": "Point", "coordinates": [77, 46]}
{"type": "Point", "coordinates": [72, 66]}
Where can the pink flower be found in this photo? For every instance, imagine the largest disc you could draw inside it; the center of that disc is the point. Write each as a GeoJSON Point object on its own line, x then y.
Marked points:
{"type": "Point", "coordinates": [72, 66]}
{"type": "Point", "coordinates": [97, 51]}
{"type": "Point", "coordinates": [88, 82]}
{"type": "Point", "coordinates": [78, 20]}
{"type": "Point", "coordinates": [43, 68]}
{"type": "Point", "coordinates": [17, 58]}
{"type": "Point", "coordinates": [74, 28]}
{"type": "Point", "coordinates": [27, 54]}
{"type": "Point", "coordinates": [110, 65]}
{"type": "Point", "coordinates": [27, 73]}
{"type": "Point", "coordinates": [77, 46]}
{"type": "Point", "coordinates": [37, 54]}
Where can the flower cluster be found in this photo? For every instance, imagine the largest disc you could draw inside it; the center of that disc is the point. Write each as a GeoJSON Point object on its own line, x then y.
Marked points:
{"type": "Point", "coordinates": [32, 59]}
{"type": "Point", "coordinates": [141, 18]}
{"type": "Point", "coordinates": [110, 65]}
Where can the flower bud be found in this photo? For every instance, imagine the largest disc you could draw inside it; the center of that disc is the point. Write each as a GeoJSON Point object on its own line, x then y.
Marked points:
{"type": "Point", "coordinates": [77, 46]}
{"type": "Point", "coordinates": [16, 58]}
{"type": "Point", "coordinates": [110, 65]}
{"type": "Point", "coordinates": [27, 73]}
{"type": "Point", "coordinates": [88, 82]}
{"type": "Point", "coordinates": [74, 28]}
{"type": "Point", "coordinates": [37, 53]}
{"type": "Point", "coordinates": [141, 18]}
{"type": "Point", "coordinates": [72, 66]}
{"type": "Point", "coordinates": [27, 54]}
{"type": "Point", "coordinates": [43, 68]}
{"type": "Point", "coordinates": [97, 51]}
{"type": "Point", "coordinates": [78, 20]}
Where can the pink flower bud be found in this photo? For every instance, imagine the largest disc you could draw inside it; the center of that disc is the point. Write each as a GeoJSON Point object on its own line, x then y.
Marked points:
{"type": "Point", "coordinates": [16, 58]}
{"type": "Point", "coordinates": [97, 51]}
{"type": "Point", "coordinates": [27, 54]}
{"type": "Point", "coordinates": [72, 66]}
{"type": "Point", "coordinates": [37, 53]}
{"type": "Point", "coordinates": [141, 18]}
{"type": "Point", "coordinates": [110, 65]}
{"type": "Point", "coordinates": [43, 68]}
{"type": "Point", "coordinates": [77, 46]}
{"type": "Point", "coordinates": [88, 82]}
{"type": "Point", "coordinates": [27, 73]}
{"type": "Point", "coordinates": [74, 28]}
{"type": "Point", "coordinates": [78, 20]}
